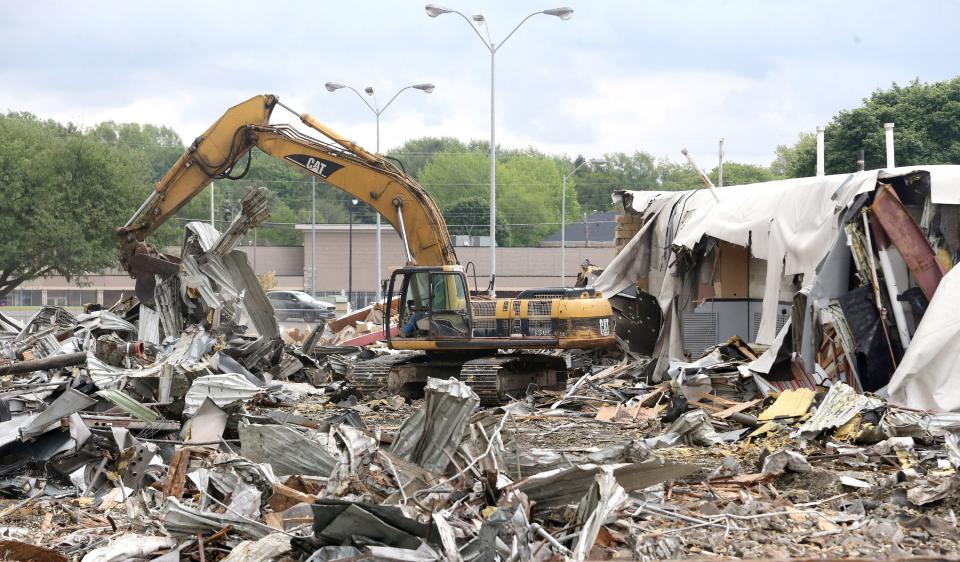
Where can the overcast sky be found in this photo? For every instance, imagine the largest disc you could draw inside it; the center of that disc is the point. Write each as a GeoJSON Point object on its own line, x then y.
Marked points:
{"type": "Point", "coordinates": [618, 76]}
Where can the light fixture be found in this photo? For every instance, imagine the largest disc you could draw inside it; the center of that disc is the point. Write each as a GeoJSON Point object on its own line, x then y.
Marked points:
{"type": "Point", "coordinates": [368, 90]}
{"type": "Point", "coordinates": [478, 18]}
{"type": "Point", "coordinates": [333, 86]}
{"type": "Point", "coordinates": [433, 10]}
{"type": "Point", "coordinates": [598, 162]}
{"type": "Point", "coordinates": [428, 88]}
{"type": "Point", "coordinates": [562, 13]}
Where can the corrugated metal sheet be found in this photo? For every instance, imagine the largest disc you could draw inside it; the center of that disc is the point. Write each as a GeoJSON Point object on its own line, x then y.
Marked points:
{"type": "Point", "coordinates": [148, 328]}
{"type": "Point", "coordinates": [285, 449]}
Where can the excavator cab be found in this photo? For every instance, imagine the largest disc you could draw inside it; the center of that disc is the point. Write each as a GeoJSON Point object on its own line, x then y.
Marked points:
{"type": "Point", "coordinates": [434, 303]}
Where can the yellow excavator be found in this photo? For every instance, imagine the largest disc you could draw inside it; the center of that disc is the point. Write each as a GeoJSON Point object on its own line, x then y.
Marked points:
{"type": "Point", "coordinates": [456, 332]}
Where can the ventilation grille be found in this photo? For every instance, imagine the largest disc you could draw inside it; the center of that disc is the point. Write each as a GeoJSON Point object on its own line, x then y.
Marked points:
{"type": "Point", "coordinates": [486, 309]}
{"type": "Point", "coordinates": [538, 308]}
{"type": "Point", "coordinates": [699, 332]}
{"type": "Point", "coordinates": [515, 325]}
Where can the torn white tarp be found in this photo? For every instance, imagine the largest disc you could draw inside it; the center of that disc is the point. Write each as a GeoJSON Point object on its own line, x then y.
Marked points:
{"type": "Point", "coordinates": [929, 373]}
{"type": "Point", "coordinates": [790, 222]}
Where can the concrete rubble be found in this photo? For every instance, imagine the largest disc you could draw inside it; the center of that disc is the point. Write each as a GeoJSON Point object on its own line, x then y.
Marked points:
{"type": "Point", "coordinates": [182, 427]}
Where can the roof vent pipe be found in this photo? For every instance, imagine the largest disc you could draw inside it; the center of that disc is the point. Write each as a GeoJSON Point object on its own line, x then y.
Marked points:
{"type": "Point", "coordinates": [888, 130]}
{"type": "Point", "coordinates": [820, 165]}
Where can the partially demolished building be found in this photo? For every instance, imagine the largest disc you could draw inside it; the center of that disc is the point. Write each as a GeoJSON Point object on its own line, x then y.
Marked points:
{"type": "Point", "coordinates": [842, 276]}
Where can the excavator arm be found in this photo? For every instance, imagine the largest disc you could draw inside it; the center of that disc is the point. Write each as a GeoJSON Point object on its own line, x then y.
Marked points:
{"type": "Point", "coordinates": [340, 163]}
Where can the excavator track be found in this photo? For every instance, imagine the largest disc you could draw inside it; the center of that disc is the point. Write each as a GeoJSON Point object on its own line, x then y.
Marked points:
{"type": "Point", "coordinates": [483, 377]}
{"type": "Point", "coordinates": [369, 377]}
{"type": "Point", "coordinates": [495, 379]}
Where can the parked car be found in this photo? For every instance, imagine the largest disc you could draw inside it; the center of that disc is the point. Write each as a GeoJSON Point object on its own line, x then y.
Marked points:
{"type": "Point", "coordinates": [297, 304]}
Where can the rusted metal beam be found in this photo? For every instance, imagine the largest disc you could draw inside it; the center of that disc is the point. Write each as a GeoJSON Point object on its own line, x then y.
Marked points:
{"type": "Point", "coordinates": [907, 237]}
{"type": "Point", "coordinates": [55, 362]}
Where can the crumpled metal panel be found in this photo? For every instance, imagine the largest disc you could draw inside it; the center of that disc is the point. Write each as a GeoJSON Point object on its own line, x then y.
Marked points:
{"type": "Point", "coordinates": [167, 300]}
{"type": "Point", "coordinates": [839, 406]}
{"type": "Point", "coordinates": [105, 320]}
{"type": "Point", "coordinates": [338, 520]}
{"type": "Point", "coordinates": [46, 317]}
{"type": "Point", "coordinates": [183, 521]}
{"type": "Point", "coordinates": [254, 209]}
{"type": "Point", "coordinates": [223, 389]}
{"type": "Point", "coordinates": [203, 234]}
{"type": "Point", "coordinates": [605, 497]}
{"type": "Point", "coordinates": [195, 277]}
{"type": "Point", "coordinates": [565, 486]}
{"type": "Point", "coordinates": [186, 355]}
{"type": "Point", "coordinates": [271, 547]}
{"type": "Point", "coordinates": [70, 402]}
{"type": "Point", "coordinates": [255, 300]}
{"type": "Point", "coordinates": [129, 405]}
{"type": "Point", "coordinates": [432, 434]}
{"type": "Point", "coordinates": [148, 327]}
{"type": "Point", "coordinates": [286, 450]}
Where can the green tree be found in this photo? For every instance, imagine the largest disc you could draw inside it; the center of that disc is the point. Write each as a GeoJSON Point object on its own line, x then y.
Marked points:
{"type": "Point", "coordinates": [797, 160]}
{"type": "Point", "coordinates": [595, 184]}
{"type": "Point", "coordinates": [736, 173]}
{"type": "Point", "coordinates": [927, 118]}
{"type": "Point", "coordinates": [417, 153]}
{"type": "Point", "coordinates": [674, 176]}
{"type": "Point", "coordinates": [528, 190]}
{"type": "Point", "coordinates": [471, 217]}
{"type": "Point", "coordinates": [64, 193]}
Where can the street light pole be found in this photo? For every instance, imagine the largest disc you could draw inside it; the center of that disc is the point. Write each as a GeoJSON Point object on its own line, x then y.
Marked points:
{"type": "Point", "coordinates": [433, 11]}
{"type": "Point", "coordinates": [378, 111]}
{"type": "Point", "coordinates": [563, 217]}
{"type": "Point", "coordinates": [313, 236]}
{"type": "Point", "coordinates": [353, 203]}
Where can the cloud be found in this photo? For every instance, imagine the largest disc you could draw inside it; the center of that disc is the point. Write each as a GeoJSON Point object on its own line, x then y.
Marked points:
{"type": "Point", "coordinates": [619, 76]}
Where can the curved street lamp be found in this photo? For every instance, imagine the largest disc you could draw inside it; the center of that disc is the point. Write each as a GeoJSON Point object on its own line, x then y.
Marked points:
{"type": "Point", "coordinates": [378, 111]}
{"type": "Point", "coordinates": [433, 11]}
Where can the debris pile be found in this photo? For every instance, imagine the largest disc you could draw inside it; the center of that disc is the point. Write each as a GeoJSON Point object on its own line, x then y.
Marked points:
{"type": "Point", "coordinates": [179, 425]}
{"type": "Point", "coordinates": [218, 445]}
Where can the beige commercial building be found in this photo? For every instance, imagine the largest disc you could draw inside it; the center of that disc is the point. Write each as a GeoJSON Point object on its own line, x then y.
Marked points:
{"type": "Point", "coordinates": [292, 266]}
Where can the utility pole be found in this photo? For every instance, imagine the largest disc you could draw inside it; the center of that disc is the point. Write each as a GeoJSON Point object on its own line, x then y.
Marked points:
{"type": "Point", "coordinates": [313, 237]}
{"type": "Point", "coordinates": [586, 232]}
{"type": "Point", "coordinates": [720, 166]}
{"type": "Point", "coordinates": [821, 151]}
{"type": "Point", "coordinates": [213, 216]}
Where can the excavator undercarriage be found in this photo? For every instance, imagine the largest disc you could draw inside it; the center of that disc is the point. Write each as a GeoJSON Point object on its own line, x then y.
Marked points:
{"type": "Point", "coordinates": [496, 379]}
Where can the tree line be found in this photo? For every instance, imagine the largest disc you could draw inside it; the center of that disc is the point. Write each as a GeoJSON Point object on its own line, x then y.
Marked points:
{"type": "Point", "coordinates": [65, 188]}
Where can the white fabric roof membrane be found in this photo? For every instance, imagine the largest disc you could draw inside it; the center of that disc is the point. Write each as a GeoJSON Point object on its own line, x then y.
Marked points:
{"type": "Point", "coordinates": [926, 378]}
{"type": "Point", "coordinates": [793, 222]}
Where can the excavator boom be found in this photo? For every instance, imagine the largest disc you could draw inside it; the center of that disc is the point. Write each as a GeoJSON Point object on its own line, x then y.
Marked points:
{"type": "Point", "coordinates": [342, 164]}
